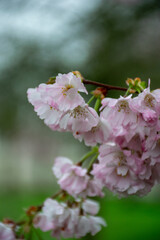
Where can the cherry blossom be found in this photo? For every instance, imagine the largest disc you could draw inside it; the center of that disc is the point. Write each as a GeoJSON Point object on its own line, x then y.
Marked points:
{"type": "Point", "coordinates": [80, 119]}
{"type": "Point", "coordinates": [147, 103]}
{"type": "Point", "coordinates": [67, 221]}
{"type": "Point", "coordinates": [45, 107]}
{"type": "Point", "coordinates": [6, 232]}
{"type": "Point", "coordinates": [97, 134]}
{"type": "Point", "coordinates": [126, 159]}
{"type": "Point", "coordinates": [75, 180]}
{"type": "Point", "coordinates": [66, 90]}
{"type": "Point", "coordinates": [120, 117]}
{"type": "Point", "coordinates": [120, 171]}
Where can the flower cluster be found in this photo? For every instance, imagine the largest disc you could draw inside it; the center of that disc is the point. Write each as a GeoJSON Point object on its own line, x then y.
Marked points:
{"type": "Point", "coordinates": [61, 106]}
{"type": "Point", "coordinates": [63, 109]}
{"type": "Point", "coordinates": [127, 129]}
{"type": "Point", "coordinates": [69, 221]}
{"type": "Point", "coordinates": [129, 163]}
{"type": "Point", "coordinates": [124, 135]}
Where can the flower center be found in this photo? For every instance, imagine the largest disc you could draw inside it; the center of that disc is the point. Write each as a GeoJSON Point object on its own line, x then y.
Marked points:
{"type": "Point", "coordinates": [123, 105]}
{"type": "Point", "coordinates": [121, 159]}
{"type": "Point", "coordinates": [79, 112]}
{"type": "Point", "coordinates": [149, 101]}
{"type": "Point", "coordinates": [66, 88]}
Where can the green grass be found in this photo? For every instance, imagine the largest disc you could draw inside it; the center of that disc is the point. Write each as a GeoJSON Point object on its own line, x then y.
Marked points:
{"type": "Point", "coordinates": [127, 219]}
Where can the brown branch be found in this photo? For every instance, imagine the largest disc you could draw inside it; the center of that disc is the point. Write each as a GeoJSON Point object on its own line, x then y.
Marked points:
{"type": "Point", "coordinates": [108, 87]}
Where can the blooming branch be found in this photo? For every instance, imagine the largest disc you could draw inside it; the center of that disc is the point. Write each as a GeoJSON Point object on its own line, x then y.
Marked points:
{"type": "Point", "coordinates": [124, 136]}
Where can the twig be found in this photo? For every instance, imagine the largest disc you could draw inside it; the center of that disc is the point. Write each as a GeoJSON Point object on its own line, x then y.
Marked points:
{"type": "Point", "coordinates": [109, 87]}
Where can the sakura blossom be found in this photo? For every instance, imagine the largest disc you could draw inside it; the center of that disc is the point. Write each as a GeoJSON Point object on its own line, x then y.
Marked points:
{"type": "Point", "coordinates": [66, 90]}
{"type": "Point", "coordinates": [80, 119]}
{"type": "Point", "coordinates": [124, 136]}
{"type": "Point", "coordinates": [71, 178]}
{"type": "Point", "coordinates": [51, 101]}
{"type": "Point", "coordinates": [147, 103]}
{"type": "Point", "coordinates": [119, 115]}
{"type": "Point", "coordinates": [121, 171]}
{"type": "Point", "coordinates": [44, 105]}
{"type": "Point", "coordinates": [90, 206]}
{"type": "Point", "coordinates": [67, 222]}
{"type": "Point", "coordinates": [75, 180]}
{"type": "Point", "coordinates": [6, 232]}
{"type": "Point", "coordinates": [98, 134]}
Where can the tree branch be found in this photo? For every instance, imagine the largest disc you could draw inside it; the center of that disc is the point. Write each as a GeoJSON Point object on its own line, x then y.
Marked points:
{"type": "Point", "coordinates": [108, 87]}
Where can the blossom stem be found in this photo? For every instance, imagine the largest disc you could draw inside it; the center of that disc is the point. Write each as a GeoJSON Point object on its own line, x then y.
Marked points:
{"type": "Point", "coordinates": [57, 194]}
{"type": "Point", "coordinates": [127, 92]}
{"type": "Point", "coordinates": [109, 87]}
{"type": "Point", "coordinates": [91, 162]}
{"type": "Point", "coordinates": [97, 104]}
{"type": "Point", "coordinates": [39, 237]}
{"type": "Point", "coordinates": [91, 99]}
{"type": "Point", "coordinates": [85, 157]}
{"type": "Point", "coordinates": [141, 88]}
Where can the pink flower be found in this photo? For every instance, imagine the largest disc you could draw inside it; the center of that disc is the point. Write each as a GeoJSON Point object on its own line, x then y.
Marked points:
{"type": "Point", "coordinates": [98, 134]}
{"type": "Point", "coordinates": [150, 139]}
{"type": "Point", "coordinates": [119, 170]}
{"type": "Point", "coordinates": [44, 105]}
{"type": "Point", "coordinates": [151, 162]}
{"type": "Point", "coordinates": [52, 216]}
{"type": "Point", "coordinates": [72, 179]}
{"type": "Point", "coordinates": [61, 166]}
{"type": "Point", "coordinates": [89, 224]}
{"type": "Point", "coordinates": [75, 180]}
{"type": "Point", "coordinates": [80, 119]}
{"type": "Point", "coordinates": [90, 206]}
{"type": "Point", "coordinates": [51, 101]}
{"type": "Point", "coordinates": [94, 188]}
{"type": "Point", "coordinates": [147, 104]}
{"type": "Point", "coordinates": [68, 222]}
{"type": "Point", "coordinates": [6, 232]}
{"type": "Point", "coordinates": [65, 91]}
{"type": "Point", "coordinates": [119, 116]}
{"type": "Point", "coordinates": [96, 223]}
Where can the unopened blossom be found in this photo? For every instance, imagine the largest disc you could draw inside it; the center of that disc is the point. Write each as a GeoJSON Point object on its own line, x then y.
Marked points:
{"type": "Point", "coordinates": [68, 222]}
{"type": "Point", "coordinates": [6, 232]}
{"type": "Point", "coordinates": [66, 90]}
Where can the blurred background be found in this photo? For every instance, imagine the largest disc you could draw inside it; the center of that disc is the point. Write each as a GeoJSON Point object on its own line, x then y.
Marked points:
{"type": "Point", "coordinates": [107, 41]}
